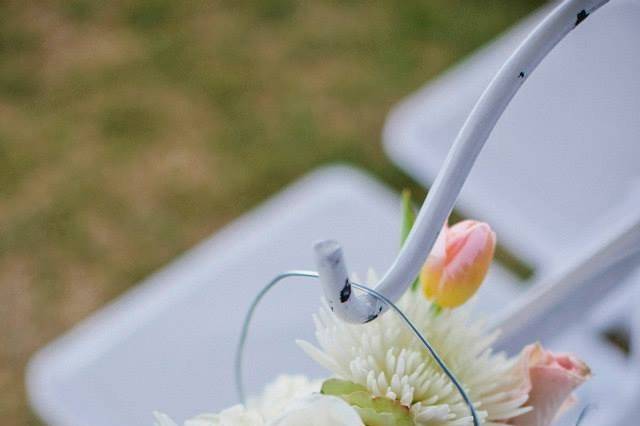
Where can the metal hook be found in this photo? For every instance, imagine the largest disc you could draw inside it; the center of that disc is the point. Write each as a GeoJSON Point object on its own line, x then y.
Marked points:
{"type": "Point", "coordinates": [442, 195]}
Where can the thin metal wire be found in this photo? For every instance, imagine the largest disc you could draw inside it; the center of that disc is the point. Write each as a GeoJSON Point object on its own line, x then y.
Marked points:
{"type": "Point", "coordinates": [312, 274]}
{"type": "Point", "coordinates": [247, 322]}
{"type": "Point", "coordinates": [583, 414]}
{"type": "Point", "coordinates": [427, 345]}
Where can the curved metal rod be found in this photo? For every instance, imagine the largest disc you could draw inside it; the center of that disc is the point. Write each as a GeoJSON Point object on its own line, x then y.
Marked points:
{"type": "Point", "coordinates": [373, 293]}
{"type": "Point", "coordinates": [460, 159]}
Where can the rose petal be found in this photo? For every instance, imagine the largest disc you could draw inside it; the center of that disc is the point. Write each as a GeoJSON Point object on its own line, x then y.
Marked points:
{"type": "Point", "coordinates": [550, 380]}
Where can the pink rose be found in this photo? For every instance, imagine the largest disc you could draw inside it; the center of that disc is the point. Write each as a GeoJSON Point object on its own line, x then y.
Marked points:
{"type": "Point", "coordinates": [549, 380]}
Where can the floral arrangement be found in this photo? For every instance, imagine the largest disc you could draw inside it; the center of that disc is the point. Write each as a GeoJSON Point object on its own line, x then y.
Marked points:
{"type": "Point", "coordinates": [383, 376]}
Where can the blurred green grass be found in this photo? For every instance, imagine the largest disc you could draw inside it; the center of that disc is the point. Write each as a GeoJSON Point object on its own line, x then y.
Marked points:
{"type": "Point", "coordinates": [129, 130]}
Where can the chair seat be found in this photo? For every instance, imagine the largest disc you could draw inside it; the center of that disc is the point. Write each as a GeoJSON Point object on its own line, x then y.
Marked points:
{"type": "Point", "coordinates": [614, 385]}
{"type": "Point", "coordinates": [169, 343]}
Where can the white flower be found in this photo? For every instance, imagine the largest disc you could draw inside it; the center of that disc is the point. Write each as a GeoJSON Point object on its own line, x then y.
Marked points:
{"type": "Point", "coordinates": [318, 410]}
{"type": "Point", "coordinates": [276, 398]}
{"type": "Point", "coordinates": [233, 416]}
{"type": "Point", "coordinates": [386, 358]}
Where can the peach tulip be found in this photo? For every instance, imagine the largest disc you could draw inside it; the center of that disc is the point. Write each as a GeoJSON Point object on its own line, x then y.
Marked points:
{"type": "Point", "coordinates": [458, 263]}
{"type": "Point", "coordinates": [549, 380]}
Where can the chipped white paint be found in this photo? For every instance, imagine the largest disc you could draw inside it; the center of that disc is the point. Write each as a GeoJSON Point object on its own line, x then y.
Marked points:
{"type": "Point", "coordinates": [456, 168]}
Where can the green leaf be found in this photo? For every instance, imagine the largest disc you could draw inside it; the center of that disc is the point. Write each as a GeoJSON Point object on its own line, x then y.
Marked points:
{"type": "Point", "coordinates": [408, 219]}
{"type": "Point", "coordinates": [374, 411]}
{"type": "Point", "coordinates": [435, 309]}
{"type": "Point", "coordinates": [408, 215]}
{"type": "Point", "coordinates": [337, 387]}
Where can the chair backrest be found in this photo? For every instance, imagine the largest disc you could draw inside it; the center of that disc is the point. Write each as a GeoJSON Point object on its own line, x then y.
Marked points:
{"type": "Point", "coordinates": [564, 157]}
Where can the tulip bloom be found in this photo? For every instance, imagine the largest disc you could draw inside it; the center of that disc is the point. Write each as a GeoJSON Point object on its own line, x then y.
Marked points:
{"type": "Point", "coordinates": [549, 380]}
{"type": "Point", "coordinates": [458, 263]}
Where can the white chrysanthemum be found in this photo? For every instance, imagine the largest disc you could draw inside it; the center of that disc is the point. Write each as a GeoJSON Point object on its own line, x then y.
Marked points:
{"type": "Point", "coordinates": [272, 405]}
{"type": "Point", "coordinates": [386, 357]}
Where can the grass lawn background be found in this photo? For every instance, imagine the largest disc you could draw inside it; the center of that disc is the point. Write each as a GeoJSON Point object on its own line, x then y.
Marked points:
{"type": "Point", "coordinates": [130, 130]}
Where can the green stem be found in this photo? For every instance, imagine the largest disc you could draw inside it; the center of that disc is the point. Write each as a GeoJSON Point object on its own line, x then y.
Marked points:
{"type": "Point", "coordinates": [408, 218]}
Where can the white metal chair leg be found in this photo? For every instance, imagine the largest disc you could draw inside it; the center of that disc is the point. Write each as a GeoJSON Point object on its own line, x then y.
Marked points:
{"type": "Point", "coordinates": [631, 413]}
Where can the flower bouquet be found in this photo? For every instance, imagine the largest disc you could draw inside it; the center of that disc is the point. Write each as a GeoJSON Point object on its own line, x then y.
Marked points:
{"type": "Point", "coordinates": [381, 374]}
{"type": "Point", "coordinates": [428, 362]}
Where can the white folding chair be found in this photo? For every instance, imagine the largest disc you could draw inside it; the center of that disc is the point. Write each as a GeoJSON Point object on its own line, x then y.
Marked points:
{"type": "Point", "coordinates": [559, 180]}
{"type": "Point", "coordinates": [582, 322]}
{"type": "Point", "coordinates": [168, 343]}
